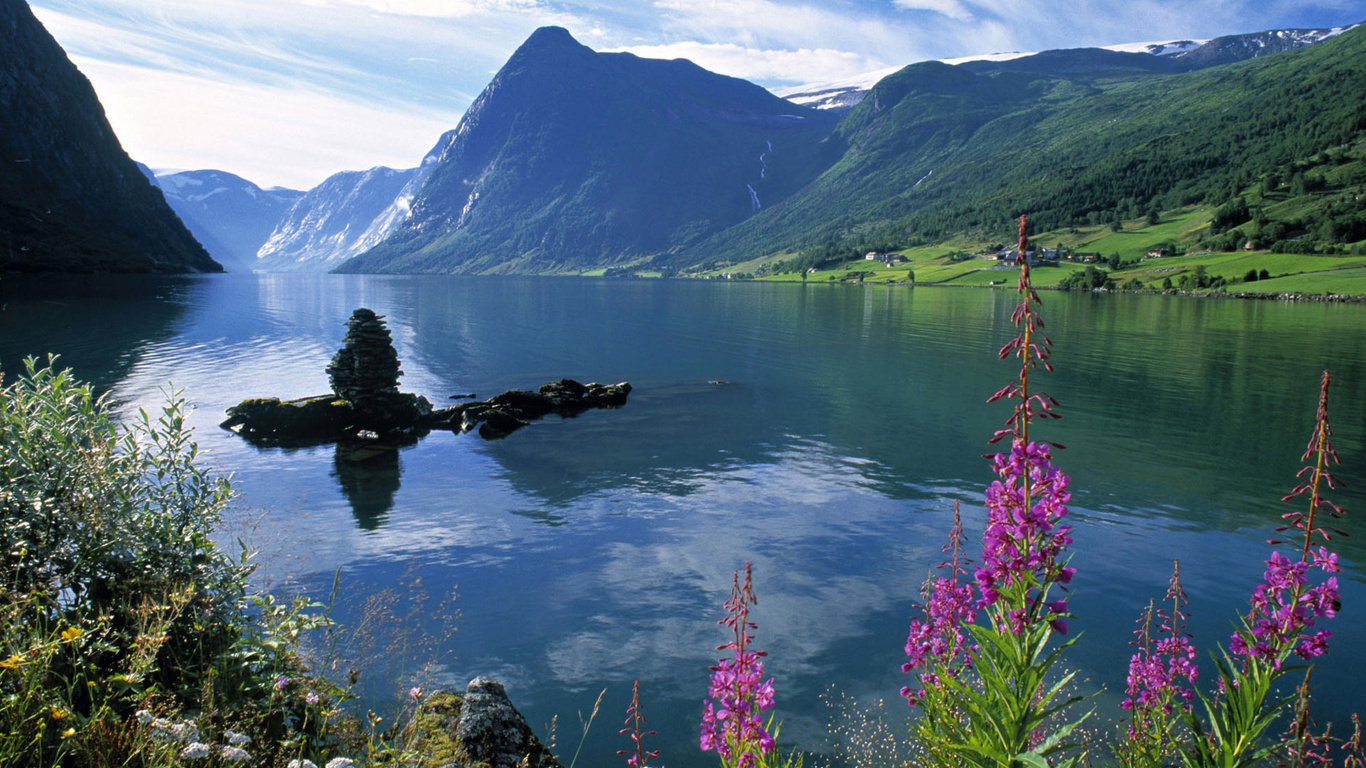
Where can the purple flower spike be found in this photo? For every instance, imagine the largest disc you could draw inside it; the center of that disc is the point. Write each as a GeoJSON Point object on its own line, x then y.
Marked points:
{"type": "Point", "coordinates": [1284, 606]}
{"type": "Point", "coordinates": [732, 725]}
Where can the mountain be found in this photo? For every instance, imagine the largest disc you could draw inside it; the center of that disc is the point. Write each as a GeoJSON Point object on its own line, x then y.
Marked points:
{"type": "Point", "coordinates": [1231, 48]}
{"type": "Point", "coordinates": [346, 215]}
{"type": "Point", "coordinates": [572, 159]}
{"type": "Point", "coordinates": [1180, 55]}
{"type": "Point", "coordinates": [70, 198]}
{"type": "Point", "coordinates": [230, 216]}
{"type": "Point", "coordinates": [1069, 137]}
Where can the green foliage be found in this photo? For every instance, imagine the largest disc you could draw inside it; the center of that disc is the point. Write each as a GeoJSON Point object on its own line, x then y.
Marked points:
{"type": "Point", "coordinates": [1231, 736]}
{"type": "Point", "coordinates": [1101, 148]}
{"type": "Point", "coordinates": [1088, 279]}
{"type": "Point", "coordinates": [114, 587]}
{"type": "Point", "coordinates": [124, 629]}
{"type": "Point", "coordinates": [993, 719]}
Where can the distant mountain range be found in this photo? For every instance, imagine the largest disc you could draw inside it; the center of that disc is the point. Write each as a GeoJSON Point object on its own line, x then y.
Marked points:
{"type": "Point", "coordinates": [230, 216]}
{"type": "Point", "coordinates": [1181, 55]}
{"type": "Point", "coordinates": [70, 198]}
{"type": "Point", "coordinates": [573, 160]}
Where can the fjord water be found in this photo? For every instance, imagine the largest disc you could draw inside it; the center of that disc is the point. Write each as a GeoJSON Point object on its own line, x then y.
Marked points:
{"type": "Point", "coordinates": [821, 432]}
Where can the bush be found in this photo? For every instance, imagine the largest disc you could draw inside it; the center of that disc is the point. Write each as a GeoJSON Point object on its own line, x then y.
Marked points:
{"type": "Point", "coordinates": [105, 554]}
{"type": "Point", "coordinates": [1087, 280]}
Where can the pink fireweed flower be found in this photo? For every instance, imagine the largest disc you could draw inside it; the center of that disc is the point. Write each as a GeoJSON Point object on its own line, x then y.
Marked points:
{"type": "Point", "coordinates": [937, 644]}
{"type": "Point", "coordinates": [732, 725]}
{"type": "Point", "coordinates": [635, 718]}
{"type": "Point", "coordinates": [1157, 671]}
{"type": "Point", "coordinates": [1024, 538]}
{"type": "Point", "coordinates": [1284, 605]}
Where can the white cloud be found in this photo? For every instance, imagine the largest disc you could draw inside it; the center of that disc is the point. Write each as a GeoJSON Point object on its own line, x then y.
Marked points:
{"type": "Point", "coordinates": [271, 135]}
{"type": "Point", "coordinates": [951, 8]}
{"type": "Point", "coordinates": [764, 66]}
{"type": "Point", "coordinates": [448, 9]}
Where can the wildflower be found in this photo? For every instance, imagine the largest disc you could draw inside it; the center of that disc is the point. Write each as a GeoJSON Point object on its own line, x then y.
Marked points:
{"type": "Point", "coordinates": [634, 719]}
{"type": "Point", "coordinates": [937, 643]}
{"type": "Point", "coordinates": [311, 698]}
{"type": "Point", "coordinates": [185, 733]}
{"type": "Point", "coordinates": [735, 729]}
{"type": "Point", "coordinates": [1024, 540]}
{"type": "Point", "coordinates": [281, 682]}
{"type": "Point", "coordinates": [72, 633]}
{"type": "Point", "coordinates": [339, 762]}
{"type": "Point", "coordinates": [236, 739]}
{"type": "Point", "coordinates": [301, 764]}
{"type": "Point", "coordinates": [1156, 670]}
{"type": "Point", "coordinates": [1284, 605]}
{"type": "Point", "coordinates": [59, 714]}
{"type": "Point", "coordinates": [13, 662]}
{"type": "Point", "coordinates": [194, 751]}
{"type": "Point", "coordinates": [234, 754]}
{"type": "Point", "coordinates": [68, 733]}
{"type": "Point", "coordinates": [415, 693]}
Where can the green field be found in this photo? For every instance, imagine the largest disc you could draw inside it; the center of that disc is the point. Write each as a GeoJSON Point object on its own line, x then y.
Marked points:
{"type": "Point", "coordinates": [933, 265]}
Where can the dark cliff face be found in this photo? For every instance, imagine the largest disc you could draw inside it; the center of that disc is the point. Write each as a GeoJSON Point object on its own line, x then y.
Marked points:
{"type": "Point", "coordinates": [70, 198]}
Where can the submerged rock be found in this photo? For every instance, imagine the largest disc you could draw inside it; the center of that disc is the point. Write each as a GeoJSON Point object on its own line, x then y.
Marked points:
{"type": "Point", "coordinates": [481, 729]}
{"type": "Point", "coordinates": [398, 416]}
{"type": "Point", "coordinates": [503, 414]}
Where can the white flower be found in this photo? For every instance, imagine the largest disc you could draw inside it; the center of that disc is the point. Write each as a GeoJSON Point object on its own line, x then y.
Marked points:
{"type": "Point", "coordinates": [194, 751]}
{"type": "Point", "coordinates": [301, 764]}
{"type": "Point", "coordinates": [143, 716]}
{"type": "Point", "coordinates": [234, 754]}
{"type": "Point", "coordinates": [339, 762]}
{"type": "Point", "coordinates": [237, 739]}
{"type": "Point", "coordinates": [185, 733]}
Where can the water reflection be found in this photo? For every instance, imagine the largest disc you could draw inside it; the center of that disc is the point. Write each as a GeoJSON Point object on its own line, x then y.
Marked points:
{"type": "Point", "coordinates": [100, 326]}
{"type": "Point", "coordinates": [370, 474]}
{"type": "Point", "coordinates": [593, 550]}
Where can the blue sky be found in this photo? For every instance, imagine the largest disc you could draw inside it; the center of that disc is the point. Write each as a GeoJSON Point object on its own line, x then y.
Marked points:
{"type": "Point", "coordinates": [287, 92]}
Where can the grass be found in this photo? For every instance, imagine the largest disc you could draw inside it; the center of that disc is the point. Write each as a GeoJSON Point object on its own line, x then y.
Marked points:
{"type": "Point", "coordinates": [933, 265]}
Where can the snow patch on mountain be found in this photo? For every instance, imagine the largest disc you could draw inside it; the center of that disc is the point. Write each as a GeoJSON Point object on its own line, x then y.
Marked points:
{"type": "Point", "coordinates": [847, 93]}
{"type": "Point", "coordinates": [230, 216]}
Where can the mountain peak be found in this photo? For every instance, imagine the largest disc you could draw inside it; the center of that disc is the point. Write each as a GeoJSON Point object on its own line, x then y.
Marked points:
{"type": "Point", "coordinates": [550, 37]}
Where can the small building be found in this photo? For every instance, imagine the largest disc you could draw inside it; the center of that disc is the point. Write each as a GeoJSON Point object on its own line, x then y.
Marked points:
{"type": "Point", "coordinates": [870, 256]}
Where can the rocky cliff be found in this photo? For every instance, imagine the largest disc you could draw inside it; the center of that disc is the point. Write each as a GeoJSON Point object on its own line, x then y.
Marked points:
{"type": "Point", "coordinates": [70, 198]}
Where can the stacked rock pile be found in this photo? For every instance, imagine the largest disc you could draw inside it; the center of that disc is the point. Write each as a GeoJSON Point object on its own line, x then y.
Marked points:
{"type": "Point", "coordinates": [366, 368]}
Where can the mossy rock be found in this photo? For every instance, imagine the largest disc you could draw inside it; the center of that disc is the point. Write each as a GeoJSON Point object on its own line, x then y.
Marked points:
{"type": "Point", "coordinates": [481, 729]}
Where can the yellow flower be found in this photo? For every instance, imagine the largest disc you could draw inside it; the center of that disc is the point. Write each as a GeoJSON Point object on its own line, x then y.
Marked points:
{"type": "Point", "coordinates": [71, 633]}
{"type": "Point", "coordinates": [68, 733]}
{"type": "Point", "coordinates": [13, 662]}
{"type": "Point", "coordinates": [59, 714]}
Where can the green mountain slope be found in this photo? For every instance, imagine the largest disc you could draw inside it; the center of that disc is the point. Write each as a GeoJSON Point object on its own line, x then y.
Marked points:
{"type": "Point", "coordinates": [935, 151]}
{"type": "Point", "coordinates": [573, 159]}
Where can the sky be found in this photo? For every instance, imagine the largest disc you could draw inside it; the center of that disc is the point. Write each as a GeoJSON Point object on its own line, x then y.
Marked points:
{"type": "Point", "coordinates": [288, 92]}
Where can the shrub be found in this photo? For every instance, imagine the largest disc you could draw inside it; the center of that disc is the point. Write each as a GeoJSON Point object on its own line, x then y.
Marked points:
{"type": "Point", "coordinates": [113, 585]}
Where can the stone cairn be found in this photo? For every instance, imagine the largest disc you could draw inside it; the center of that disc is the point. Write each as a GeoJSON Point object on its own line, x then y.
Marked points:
{"type": "Point", "coordinates": [365, 370]}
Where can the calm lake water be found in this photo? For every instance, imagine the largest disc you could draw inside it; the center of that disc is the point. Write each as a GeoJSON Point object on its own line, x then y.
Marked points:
{"type": "Point", "coordinates": [589, 552]}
